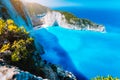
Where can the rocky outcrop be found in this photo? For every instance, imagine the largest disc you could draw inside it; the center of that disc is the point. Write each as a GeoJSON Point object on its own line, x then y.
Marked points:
{"type": "Point", "coordinates": [69, 21]}
{"type": "Point", "coordinates": [8, 72]}
{"type": "Point", "coordinates": [40, 67]}
{"type": "Point", "coordinates": [52, 72]}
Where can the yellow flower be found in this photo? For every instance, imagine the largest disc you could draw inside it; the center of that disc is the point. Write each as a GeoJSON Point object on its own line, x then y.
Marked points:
{"type": "Point", "coordinates": [1, 21]}
{"type": "Point", "coordinates": [9, 21]}
{"type": "Point", "coordinates": [2, 26]}
{"type": "Point", "coordinates": [5, 47]}
{"type": "Point", "coordinates": [12, 27]}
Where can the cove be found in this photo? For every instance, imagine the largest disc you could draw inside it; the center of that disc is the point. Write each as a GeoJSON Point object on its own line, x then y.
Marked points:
{"type": "Point", "coordinates": [85, 53]}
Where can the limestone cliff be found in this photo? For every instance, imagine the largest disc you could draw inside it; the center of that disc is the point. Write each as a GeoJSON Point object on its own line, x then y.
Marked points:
{"type": "Point", "coordinates": [43, 17]}
{"type": "Point", "coordinates": [67, 20]}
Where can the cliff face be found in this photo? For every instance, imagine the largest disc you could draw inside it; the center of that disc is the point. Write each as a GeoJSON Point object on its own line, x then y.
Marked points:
{"type": "Point", "coordinates": [67, 20]}
{"type": "Point", "coordinates": [8, 72]}
{"type": "Point", "coordinates": [43, 17]}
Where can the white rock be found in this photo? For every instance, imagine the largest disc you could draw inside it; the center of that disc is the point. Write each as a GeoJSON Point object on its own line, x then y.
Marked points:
{"type": "Point", "coordinates": [54, 16]}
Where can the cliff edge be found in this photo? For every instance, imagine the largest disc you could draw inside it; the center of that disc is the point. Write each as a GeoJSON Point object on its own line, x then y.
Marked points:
{"type": "Point", "coordinates": [68, 20]}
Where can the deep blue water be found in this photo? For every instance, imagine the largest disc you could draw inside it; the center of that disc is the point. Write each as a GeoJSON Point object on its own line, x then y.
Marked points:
{"type": "Point", "coordinates": [85, 53]}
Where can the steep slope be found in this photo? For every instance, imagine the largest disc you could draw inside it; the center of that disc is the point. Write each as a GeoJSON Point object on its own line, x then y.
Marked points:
{"type": "Point", "coordinates": [17, 48]}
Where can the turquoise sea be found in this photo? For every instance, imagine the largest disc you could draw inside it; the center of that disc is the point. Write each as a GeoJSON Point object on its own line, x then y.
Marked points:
{"type": "Point", "coordinates": [87, 54]}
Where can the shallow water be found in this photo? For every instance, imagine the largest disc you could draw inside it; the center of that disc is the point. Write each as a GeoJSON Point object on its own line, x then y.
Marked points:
{"type": "Point", "coordinates": [88, 53]}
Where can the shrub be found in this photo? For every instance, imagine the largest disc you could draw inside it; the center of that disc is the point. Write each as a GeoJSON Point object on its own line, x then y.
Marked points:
{"type": "Point", "coordinates": [17, 48]}
{"type": "Point", "coordinates": [105, 78]}
{"type": "Point", "coordinates": [69, 17]}
{"type": "Point", "coordinates": [5, 47]}
{"type": "Point", "coordinates": [16, 40]}
{"type": "Point", "coordinates": [2, 26]}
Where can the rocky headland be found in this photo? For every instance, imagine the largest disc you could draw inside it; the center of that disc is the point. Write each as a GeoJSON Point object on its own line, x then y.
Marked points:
{"type": "Point", "coordinates": [45, 17]}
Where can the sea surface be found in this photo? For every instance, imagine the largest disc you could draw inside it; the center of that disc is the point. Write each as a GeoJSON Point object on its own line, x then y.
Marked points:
{"type": "Point", "coordinates": [87, 54]}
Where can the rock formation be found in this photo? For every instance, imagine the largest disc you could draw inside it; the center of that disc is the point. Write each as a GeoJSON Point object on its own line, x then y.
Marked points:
{"type": "Point", "coordinates": [8, 72]}
{"type": "Point", "coordinates": [55, 17]}
{"type": "Point", "coordinates": [42, 16]}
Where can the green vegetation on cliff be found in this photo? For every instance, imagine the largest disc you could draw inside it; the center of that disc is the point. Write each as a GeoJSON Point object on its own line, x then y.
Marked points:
{"type": "Point", "coordinates": [72, 18]}
{"type": "Point", "coordinates": [69, 16]}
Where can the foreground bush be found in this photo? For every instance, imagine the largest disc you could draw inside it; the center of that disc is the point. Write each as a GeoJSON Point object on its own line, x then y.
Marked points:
{"type": "Point", "coordinates": [105, 78]}
{"type": "Point", "coordinates": [15, 43]}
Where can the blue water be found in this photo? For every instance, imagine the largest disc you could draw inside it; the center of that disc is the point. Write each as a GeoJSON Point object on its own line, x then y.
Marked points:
{"type": "Point", "coordinates": [85, 53]}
